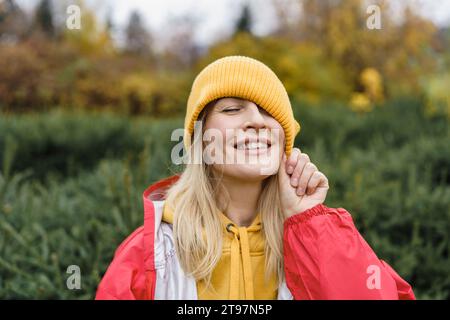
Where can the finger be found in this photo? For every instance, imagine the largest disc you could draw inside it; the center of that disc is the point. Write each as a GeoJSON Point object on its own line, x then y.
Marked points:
{"type": "Point", "coordinates": [303, 159]}
{"type": "Point", "coordinates": [292, 161]}
{"type": "Point", "coordinates": [282, 175]}
{"type": "Point", "coordinates": [317, 178]}
{"type": "Point", "coordinates": [308, 171]}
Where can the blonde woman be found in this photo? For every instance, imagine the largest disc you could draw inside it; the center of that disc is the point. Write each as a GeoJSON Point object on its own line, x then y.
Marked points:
{"type": "Point", "coordinates": [246, 218]}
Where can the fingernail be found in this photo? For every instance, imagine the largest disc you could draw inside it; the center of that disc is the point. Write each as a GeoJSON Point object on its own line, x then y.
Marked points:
{"type": "Point", "coordinates": [300, 191]}
{"type": "Point", "coordinates": [290, 169]}
{"type": "Point", "coordinates": [295, 182]}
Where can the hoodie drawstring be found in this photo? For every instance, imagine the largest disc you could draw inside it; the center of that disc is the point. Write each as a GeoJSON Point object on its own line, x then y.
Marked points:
{"type": "Point", "coordinates": [240, 244]}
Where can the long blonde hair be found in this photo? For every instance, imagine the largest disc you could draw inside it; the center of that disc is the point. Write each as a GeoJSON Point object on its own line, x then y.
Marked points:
{"type": "Point", "coordinates": [197, 226]}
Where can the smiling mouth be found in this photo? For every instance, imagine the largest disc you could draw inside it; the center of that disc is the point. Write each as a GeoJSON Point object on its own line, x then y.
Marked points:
{"type": "Point", "coordinates": [252, 145]}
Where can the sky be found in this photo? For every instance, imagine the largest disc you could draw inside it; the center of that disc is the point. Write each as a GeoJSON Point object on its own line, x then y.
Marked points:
{"type": "Point", "coordinates": [216, 18]}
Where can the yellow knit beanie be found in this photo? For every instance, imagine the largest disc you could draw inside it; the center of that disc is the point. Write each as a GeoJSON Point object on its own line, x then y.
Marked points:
{"type": "Point", "coordinates": [246, 78]}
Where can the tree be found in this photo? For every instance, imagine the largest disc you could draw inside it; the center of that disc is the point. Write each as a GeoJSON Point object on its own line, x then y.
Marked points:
{"type": "Point", "coordinates": [244, 23]}
{"type": "Point", "coordinates": [13, 22]}
{"type": "Point", "coordinates": [180, 50]}
{"type": "Point", "coordinates": [138, 39]}
{"type": "Point", "coordinates": [44, 18]}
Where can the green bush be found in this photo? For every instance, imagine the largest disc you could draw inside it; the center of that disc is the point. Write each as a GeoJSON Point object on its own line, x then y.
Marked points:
{"type": "Point", "coordinates": [68, 143]}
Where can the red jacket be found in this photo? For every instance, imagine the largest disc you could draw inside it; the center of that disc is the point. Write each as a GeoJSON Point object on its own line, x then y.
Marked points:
{"type": "Point", "coordinates": [325, 257]}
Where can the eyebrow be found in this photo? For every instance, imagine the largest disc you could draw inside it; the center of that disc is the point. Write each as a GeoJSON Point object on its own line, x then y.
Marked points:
{"type": "Point", "coordinates": [230, 104]}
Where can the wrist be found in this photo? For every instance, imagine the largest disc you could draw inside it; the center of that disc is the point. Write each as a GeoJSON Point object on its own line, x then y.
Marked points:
{"type": "Point", "coordinates": [301, 210]}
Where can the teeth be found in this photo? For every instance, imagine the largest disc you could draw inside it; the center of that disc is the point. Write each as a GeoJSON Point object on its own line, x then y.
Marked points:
{"type": "Point", "coordinates": [252, 146]}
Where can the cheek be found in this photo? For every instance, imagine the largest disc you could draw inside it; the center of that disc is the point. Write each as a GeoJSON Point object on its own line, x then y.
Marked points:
{"type": "Point", "coordinates": [274, 125]}
{"type": "Point", "coordinates": [281, 142]}
{"type": "Point", "coordinates": [215, 136]}
{"type": "Point", "coordinates": [219, 122]}
{"type": "Point", "coordinates": [281, 136]}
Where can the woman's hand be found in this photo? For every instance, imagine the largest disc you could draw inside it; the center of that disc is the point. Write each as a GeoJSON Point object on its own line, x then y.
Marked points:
{"type": "Point", "coordinates": [301, 185]}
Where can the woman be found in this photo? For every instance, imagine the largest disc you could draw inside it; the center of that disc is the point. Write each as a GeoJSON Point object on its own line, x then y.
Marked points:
{"type": "Point", "coordinates": [248, 221]}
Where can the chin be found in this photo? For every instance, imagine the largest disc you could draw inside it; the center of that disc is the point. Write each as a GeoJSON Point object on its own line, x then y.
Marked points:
{"type": "Point", "coordinates": [251, 172]}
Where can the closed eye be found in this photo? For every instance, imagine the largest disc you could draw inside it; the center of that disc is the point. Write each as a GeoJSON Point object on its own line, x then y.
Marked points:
{"type": "Point", "coordinates": [232, 109]}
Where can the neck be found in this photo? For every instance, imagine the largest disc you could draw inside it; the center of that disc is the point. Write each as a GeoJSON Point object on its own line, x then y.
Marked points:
{"type": "Point", "coordinates": [243, 200]}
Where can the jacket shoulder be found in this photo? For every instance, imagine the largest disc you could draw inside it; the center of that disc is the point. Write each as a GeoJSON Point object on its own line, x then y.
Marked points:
{"type": "Point", "coordinates": [134, 240]}
{"type": "Point", "coordinates": [126, 276]}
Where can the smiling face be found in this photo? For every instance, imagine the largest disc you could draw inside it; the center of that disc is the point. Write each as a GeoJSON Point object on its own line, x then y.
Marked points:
{"type": "Point", "coordinates": [249, 139]}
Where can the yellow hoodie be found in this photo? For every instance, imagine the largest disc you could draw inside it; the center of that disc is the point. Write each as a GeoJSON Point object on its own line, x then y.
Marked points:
{"type": "Point", "coordinates": [239, 274]}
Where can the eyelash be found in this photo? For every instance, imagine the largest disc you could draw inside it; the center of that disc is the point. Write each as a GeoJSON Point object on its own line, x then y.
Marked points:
{"type": "Point", "coordinates": [237, 109]}
{"type": "Point", "coordinates": [233, 109]}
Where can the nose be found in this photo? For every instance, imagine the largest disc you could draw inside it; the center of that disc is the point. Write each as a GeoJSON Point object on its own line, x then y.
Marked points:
{"type": "Point", "coordinates": [254, 117]}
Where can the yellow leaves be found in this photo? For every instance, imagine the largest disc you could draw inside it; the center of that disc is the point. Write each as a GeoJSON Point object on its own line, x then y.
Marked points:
{"type": "Point", "coordinates": [21, 76]}
{"type": "Point", "coordinates": [155, 93]}
{"type": "Point", "coordinates": [359, 102]}
{"type": "Point", "coordinates": [139, 85]}
{"type": "Point", "coordinates": [137, 91]}
{"type": "Point", "coordinates": [437, 95]}
{"type": "Point", "coordinates": [372, 83]}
